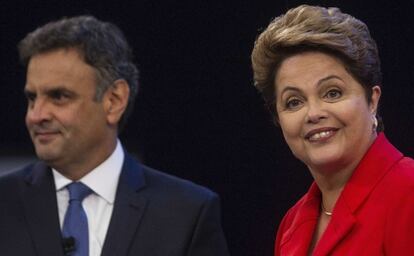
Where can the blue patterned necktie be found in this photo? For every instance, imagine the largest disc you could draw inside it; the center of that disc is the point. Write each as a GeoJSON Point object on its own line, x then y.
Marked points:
{"type": "Point", "coordinates": [75, 224]}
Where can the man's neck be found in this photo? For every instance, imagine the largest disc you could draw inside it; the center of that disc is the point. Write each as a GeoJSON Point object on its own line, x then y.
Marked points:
{"type": "Point", "coordinates": [76, 170]}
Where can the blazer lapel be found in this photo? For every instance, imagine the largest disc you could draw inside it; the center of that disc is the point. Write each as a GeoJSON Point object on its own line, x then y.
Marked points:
{"type": "Point", "coordinates": [128, 209]}
{"type": "Point", "coordinates": [341, 224]}
{"type": "Point", "coordinates": [373, 167]}
{"type": "Point", "coordinates": [298, 237]}
{"type": "Point", "coordinates": [40, 207]}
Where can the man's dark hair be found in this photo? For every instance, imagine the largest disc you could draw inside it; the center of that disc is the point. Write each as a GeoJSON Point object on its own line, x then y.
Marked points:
{"type": "Point", "coordinates": [102, 45]}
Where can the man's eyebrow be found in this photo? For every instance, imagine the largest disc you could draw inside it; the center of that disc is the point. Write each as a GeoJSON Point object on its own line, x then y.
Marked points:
{"type": "Point", "coordinates": [28, 92]}
{"type": "Point", "coordinates": [56, 89]}
{"type": "Point", "coordinates": [49, 91]}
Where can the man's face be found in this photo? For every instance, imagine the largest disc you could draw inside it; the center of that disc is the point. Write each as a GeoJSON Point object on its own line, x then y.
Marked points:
{"type": "Point", "coordinates": [69, 129]}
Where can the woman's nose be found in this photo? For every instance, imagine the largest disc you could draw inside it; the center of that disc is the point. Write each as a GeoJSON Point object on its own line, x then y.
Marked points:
{"type": "Point", "coordinates": [316, 112]}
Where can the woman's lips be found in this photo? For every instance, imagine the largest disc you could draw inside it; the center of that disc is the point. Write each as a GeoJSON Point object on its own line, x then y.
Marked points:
{"type": "Point", "coordinates": [320, 134]}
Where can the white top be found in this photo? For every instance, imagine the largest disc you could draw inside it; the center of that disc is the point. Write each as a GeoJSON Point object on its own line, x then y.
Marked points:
{"type": "Point", "coordinates": [103, 180]}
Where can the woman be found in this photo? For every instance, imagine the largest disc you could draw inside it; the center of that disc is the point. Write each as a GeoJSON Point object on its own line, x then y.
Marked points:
{"type": "Point", "coordinates": [318, 69]}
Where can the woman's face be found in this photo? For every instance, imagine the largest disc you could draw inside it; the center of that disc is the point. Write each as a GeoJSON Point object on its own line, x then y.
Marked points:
{"type": "Point", "coordinates": [323, 111]}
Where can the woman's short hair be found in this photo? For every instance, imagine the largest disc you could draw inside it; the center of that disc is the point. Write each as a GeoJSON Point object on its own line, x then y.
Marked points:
{"type": "Point", "coordinates": [314, 28]}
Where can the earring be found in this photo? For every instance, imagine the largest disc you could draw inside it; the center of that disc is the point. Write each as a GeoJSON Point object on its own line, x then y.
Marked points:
{"type": "Point", "coordinates": [375, 123]}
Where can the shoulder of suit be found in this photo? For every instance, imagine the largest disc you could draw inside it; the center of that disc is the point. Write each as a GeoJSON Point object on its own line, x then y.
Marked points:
{"type": "Point", "coordinates": [12, 182]}
{"type": "Point", "coordinates": [17, 174]}
{"type": "Point", "coordinates": [169, 184]}
{"type": "Point", "coordinates": [401, 175]}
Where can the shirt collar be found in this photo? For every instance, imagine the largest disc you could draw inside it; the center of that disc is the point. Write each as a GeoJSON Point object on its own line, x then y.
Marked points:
{"type": "Point", "coordinates": [103, 180]}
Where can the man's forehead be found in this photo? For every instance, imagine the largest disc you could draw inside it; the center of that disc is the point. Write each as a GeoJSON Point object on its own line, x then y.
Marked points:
{"type": "Point", "coordinates": [59, 70]}
{"type": "Point", "coordinates": [60, 61]}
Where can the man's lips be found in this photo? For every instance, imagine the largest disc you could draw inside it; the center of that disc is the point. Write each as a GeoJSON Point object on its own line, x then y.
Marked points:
{"type": "Point", "coordinates": [320, 134]}
{"type": "Point", "coordinates": [45, 136]}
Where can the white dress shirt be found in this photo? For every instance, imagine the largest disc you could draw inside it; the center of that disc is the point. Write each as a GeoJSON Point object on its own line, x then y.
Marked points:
{"type": "Point", "coordinates": [103, 180]}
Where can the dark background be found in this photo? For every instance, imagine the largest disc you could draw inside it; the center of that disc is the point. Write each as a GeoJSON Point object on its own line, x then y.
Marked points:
{"type": "Point", "coordinates": [197, 115]}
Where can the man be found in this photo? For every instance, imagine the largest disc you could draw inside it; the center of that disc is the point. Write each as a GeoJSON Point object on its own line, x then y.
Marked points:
{"type": "Point", "coordinates": [80, 87]}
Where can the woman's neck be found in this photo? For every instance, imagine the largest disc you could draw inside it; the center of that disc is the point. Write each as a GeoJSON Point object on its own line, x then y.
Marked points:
{"type": "Point", "coordinates": [331, 183]}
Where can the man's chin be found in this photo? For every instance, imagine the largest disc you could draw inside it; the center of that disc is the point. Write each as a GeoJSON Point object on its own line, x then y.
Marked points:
{"type": "Point", "coordinates": [47, 155]}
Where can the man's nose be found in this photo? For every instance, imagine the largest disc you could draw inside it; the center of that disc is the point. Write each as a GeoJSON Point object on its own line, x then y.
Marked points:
{"type": "Point", "coordinates": [38, 111]}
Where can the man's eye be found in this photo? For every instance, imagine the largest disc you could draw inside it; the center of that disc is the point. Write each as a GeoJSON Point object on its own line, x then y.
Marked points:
{"type": "Point", "coordinates": [59, 96]}
{"type": "Point", "coordinates": [30, 97]}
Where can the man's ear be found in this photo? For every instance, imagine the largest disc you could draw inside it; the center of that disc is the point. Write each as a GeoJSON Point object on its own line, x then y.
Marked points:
{"type": "Point", "coordinates": [115, 101]}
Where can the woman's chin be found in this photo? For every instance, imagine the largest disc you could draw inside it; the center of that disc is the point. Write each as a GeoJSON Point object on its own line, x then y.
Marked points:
{"type": "Point", "coordinates": [327, 161]}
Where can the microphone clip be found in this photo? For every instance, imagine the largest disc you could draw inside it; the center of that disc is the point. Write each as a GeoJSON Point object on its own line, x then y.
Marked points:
{"type": "Point", "coordinates": [68, 244]}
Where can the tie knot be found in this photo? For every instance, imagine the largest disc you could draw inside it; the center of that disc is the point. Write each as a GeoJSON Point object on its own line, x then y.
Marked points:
{"type": "Point", "coordinates": [78, 191]}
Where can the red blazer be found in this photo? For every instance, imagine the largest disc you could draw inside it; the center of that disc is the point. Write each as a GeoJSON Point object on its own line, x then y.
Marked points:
{"type": "Point", "coordinates": [374, 214]}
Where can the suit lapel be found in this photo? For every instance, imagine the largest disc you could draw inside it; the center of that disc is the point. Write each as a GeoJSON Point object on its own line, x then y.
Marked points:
{"type": "Point", "coordinates": [128, 209]}
{"type": "Point", "coordinates": [40, 207]}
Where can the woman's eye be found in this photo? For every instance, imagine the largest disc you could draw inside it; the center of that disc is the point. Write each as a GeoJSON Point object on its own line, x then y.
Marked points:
{"type": "Point", "coordinates": [333, 94]}
{"type": "Point", "coordinates": [293, 103]}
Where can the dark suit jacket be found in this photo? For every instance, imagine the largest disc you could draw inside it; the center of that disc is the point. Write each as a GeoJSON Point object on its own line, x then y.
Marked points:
{"type": "Point", "coordinates": [154, 214]}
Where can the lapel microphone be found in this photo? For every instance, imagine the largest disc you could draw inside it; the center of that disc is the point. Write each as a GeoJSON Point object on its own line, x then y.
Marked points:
{"type": "Point", "coordinates": [68, 244]}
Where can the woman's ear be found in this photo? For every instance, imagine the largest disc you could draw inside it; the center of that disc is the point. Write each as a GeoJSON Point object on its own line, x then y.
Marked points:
{"type": "Point", "coordinates": [375, 97]}
{"type": "Point", "coordinates": [116, 100]}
